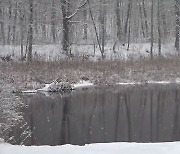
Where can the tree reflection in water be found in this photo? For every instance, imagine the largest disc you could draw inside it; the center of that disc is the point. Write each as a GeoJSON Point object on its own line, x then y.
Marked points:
{"type": "Point", "coordinates": [132, 114]}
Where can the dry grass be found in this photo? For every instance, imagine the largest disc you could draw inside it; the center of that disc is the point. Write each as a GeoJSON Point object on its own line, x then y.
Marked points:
{"type": "Point", "coordinates": [101, 72]}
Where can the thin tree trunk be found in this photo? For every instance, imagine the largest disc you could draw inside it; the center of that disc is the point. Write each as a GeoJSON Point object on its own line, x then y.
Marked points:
{"type": "Point", "coordinates": [127, 20]}
{"type": "Point", "coordinates": [177, 14]}
{"type": "Point", "coordinates": [163, 16]}
{"type": "Point", "coordinates": [22, 27]}
{"type": "Point", "coordinates": [53, 18]}
{"type": "Point", "coordinates": [95, 28]}
{"type": "Point", "coordinates": [2, 25]}
{"type": "Point", "coordinates": [152, 29]}
{"type": "Point", "coordinates": [14, 26]}
{"type": "Point", "coordinates": [85, 30]}
{"type": "Point", "coordinates": [129, 31]}
{"type": "Point", "coordinates": [30, 36]}
{"type": "Point", "coordinates": [9, 25]}
{"type": "Point", "coordinates": [141, 18]}
{"type": "Point", "coordinates": [65, 40]}
{"type": "Point", "coordinates": [102, 25]}
{"type": "Point", "coordinates": [159, 28]}
{"type": "Point", "coordinates": [36, 22]}
{"type": "Point", "coordinates": [118, 20]}
{"type": "Point", "coordinates": [145, 16]}
{"type": "Point", "coordinates": [44, 25]}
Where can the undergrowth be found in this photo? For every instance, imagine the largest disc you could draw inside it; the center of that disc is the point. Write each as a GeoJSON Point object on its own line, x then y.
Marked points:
{"type": "Point", "coordinates": [100, 72]}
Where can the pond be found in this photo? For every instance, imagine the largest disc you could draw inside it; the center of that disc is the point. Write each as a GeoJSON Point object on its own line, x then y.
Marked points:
{"type": "Point", "coordinates": [142, 113]}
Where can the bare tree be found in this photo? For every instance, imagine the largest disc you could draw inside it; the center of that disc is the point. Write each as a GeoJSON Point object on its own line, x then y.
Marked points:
{"type": "Point", "coordinates": [159, 28]}
{"type": "Point", "coordinates": [95, 29]}
{"type": "Point", "coordinates": [141, 19]}
{"type": "Point", "coordinates": [14, 25]}
{"type": "Point", "coordinates": [102, 31]}
{"type": "Point", "coordinates": [9, 25]}
{"type": "Point", "coordinates": [118, 20]}
{"type": "Point", "coordinates": [164, 19]}
{"type": "Point", "coordinates": [67, 16]}
{"type": "Point", "coordinates": [53, 21]}
{"type": "Point", "coordinates": [152, 29]}
{"type": "Point", "coordinates": [177, 14]}
{"type": "Point", "coordinates": [145, 18]}
{"type": "Point", "coordinates": [2, 24]}
{"type": "Point", "coordinates": [129, 30]}
{"type": "Point", "coordinates": [30, 33]}
{"type": "Point", "coordinates": [85, 26]}
{"type": "Point", "coordinates": [127, 20]}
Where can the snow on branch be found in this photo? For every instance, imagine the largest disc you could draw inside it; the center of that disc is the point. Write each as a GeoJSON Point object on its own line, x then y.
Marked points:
{"type": "Point", "coordinates": [79, 7]}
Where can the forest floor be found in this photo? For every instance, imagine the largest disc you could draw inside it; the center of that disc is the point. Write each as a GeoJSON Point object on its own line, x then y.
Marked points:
{"type": "Point", "coordinates": [28, 75]}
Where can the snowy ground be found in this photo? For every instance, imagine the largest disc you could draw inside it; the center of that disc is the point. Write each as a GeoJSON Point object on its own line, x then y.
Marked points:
{"type": "Point", "coordinates": [100, 148]}
{"type": "Point", "coordinates": [54, 52]}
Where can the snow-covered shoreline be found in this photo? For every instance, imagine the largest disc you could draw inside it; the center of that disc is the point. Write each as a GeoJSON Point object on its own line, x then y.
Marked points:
{"type": "Point", "coordinates": [163, 82]}
{"type": "Point", "coordinates": [99, 148]}
{"type": "Point", "coordinates": [9, 110]}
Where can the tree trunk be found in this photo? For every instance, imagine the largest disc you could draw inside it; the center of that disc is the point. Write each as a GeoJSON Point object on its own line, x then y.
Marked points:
{"type": "Point", "coordinates": [159, 28]}
{"type": "Point", "coordinates": [118, 20]}
{"type": "Point", "coordinates": [65, 8]}
{"type": "Point", "coordinates": [44, 25]}
{"type": "Point", "coordinates": [9, 25]}
{"type": "Point", "coordinates": [129, 30]}
{"type": "Point", "coordinates": [65, 40]}
{"type": "Point", "coordinates": [85, 30]}
{"type": "Point", "coordinates": [102, 32]}
{"type": "Point", "coordinates": [141, 20]}
{"type": "Point", "coordinates": [22, 27]}
{"type": "Point", "coordinates": [127, 20]}
{"type": "Point", "coordinates": [36, 22]}
{"type": "Point", "coordinates": [53, 22]}
{"type": "Point", "coordinates": [2, 25]}
{"type": "Point", "coordinates": [163, 16]}
{"type": "Point", "coordinates": [145, 16]}
{"type": "Point", "coordinates": [14, 26]}
{"type": "Point", "coordinates": [30, 36]}
{"type": "Point", "coordinates": [152, 29]}
{"type": "Point", "coordinates": [95, 29]}
{"type": "Point", "coordinates": [177, 14]}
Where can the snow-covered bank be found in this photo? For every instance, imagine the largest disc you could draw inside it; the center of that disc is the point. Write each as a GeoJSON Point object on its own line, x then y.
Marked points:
{"type": "Point", "coordinates": [100, 148]}
{"type": "Point", "coordinates": [61, 87]}
{"type": "Point", "coordinates": [10, 115]}
{"type": "Point", "coordinates": [82, 84]}
{"type": "Point", "coordinates": [177, 81]}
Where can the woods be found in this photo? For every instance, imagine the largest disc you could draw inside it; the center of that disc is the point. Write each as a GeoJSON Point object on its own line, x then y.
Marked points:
{"type": "Point", "coordinates": [83, 22]}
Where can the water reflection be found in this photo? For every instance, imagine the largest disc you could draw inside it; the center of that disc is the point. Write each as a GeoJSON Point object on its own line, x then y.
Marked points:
{"type": "Point", "coordinates": [140, 114]}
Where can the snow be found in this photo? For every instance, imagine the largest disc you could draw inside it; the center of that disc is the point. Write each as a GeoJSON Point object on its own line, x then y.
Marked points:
{"type": "Point", "coordinates": [54, 52]}
{"type": "Point", "coordinates": [87, 84]}
{"type": "Point", "coordinates": [29, 91]}
{"type": "Point", "coordinates": [98, 148]}
{"type": "Point", "coordinates": [82, 84]}
{"type": "Point", "coordinates": [55, 86]}
{"type": "Point", "coordinates": [48, 87]}
{"type": "Point", "coordinates": [177, 81]}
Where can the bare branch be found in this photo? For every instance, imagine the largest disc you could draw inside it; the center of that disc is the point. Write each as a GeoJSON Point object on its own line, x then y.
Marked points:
{"type": "Point", "coordinates": [79, 7]}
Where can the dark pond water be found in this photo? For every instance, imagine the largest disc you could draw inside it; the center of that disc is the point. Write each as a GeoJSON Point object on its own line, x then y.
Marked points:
{"type": "Point", "coordinates": [132, 114]}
